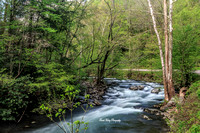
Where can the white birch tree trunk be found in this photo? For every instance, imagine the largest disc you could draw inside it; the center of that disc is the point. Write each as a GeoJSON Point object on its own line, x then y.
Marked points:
{"type": "Point", "coordinates": [160, 49]}
{"type": "Point", "coordinates": [170, 83]}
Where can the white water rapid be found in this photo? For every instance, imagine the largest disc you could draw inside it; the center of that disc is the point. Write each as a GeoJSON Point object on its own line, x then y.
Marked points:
{"type": "Point", "coordinates": [121, 110]}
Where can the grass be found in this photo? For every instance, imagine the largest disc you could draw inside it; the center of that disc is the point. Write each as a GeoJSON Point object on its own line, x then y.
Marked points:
{"type": "Point", "coordinates": [187, 120]}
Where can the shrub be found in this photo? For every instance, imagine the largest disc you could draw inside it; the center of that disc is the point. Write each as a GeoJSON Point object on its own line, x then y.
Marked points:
{"type": "Point", "coordinates": [188, 117]}
{"type": "Point", "coordinates": [14, 96]}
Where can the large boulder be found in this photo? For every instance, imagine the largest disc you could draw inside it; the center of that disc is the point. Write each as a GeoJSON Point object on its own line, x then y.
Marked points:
{"type": "Point", "coordinates": [155, 90]}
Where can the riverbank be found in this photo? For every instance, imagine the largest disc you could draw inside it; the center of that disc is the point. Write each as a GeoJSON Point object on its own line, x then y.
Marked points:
{"type": "Point", "coordinates": [153, 70]}
{"type": "Point", "coordinates": [186, 114]}
{"type": "Point", "coordinates": [30, 120]}
{"type": "Point", "coordinates": [182, 112]}
{"type": "Point", "coordinates": [152, 76]}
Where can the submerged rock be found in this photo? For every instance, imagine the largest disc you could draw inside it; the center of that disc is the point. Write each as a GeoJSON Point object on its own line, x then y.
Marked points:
{"type": "Point", "coordinates": [138, 107]}
{"type": "Point", "coordinates": [112, 84]}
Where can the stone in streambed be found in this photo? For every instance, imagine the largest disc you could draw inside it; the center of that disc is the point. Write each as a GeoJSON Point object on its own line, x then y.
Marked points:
{"type": "Point", "coordinates": [112, 84]}
{"type": "Point", "coordinates": [155, 90]}
{"type": "Point", "coordinates": [146, 117]}
{"type": "Point", "coordinates": [97, 103]}
{"type": "Point", "coordinates": [33, 122]}
{"type": "Point", "coordinates": [26, 126]}
{"type": "Point", "coordinates": [140, 87]}
{"type": "Point", "coordinates": [153, 111]}
{"type": "Point", "coordinates": [133, 88]}
{"type": "Point", "coordinates": [157, 106]}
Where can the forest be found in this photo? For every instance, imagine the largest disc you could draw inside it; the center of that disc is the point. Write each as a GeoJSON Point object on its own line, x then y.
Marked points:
{"type": "Point", "coordinates": [55, 56]}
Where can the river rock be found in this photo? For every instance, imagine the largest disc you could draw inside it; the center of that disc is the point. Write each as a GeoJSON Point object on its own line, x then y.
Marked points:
{"type": "Point", "coordinates": [133, 88]}
{"type": "Point", "coordinates": [140, 87]}
{"type": "Point", "coordinates": [101, 93]}
{"type": "Point", "coordinates": [157, 106]}
{"type": "Point", "coordinates": [171, 103]}
{"type": "Point", "coordinates": [155, 90]}
{"type": "Point", "coordinates": [169, 114]}
{"type": "Point", "coordinates": [97, 103]}
{"type": "Point", "coordinates": [26, 126]}
{"type": "Point", "coordinates": [33, 122]}
{"type": "Point", "coordinates": [153, 111]}
{"type": "Point", "coordinates": [146, 117]}
{"type": "Point", "coordinates": [112, 84]}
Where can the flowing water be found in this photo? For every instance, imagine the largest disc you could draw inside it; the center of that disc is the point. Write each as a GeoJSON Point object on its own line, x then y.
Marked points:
{"type": "Point", "coordinates": [121, 111]}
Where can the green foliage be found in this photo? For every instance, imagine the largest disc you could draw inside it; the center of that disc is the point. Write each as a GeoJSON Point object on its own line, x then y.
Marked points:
{"type": "Point", "coordinates": [148, 76]}
{"type": "Point", "coordinates": [51, 81]}
{"type": "Point", "coordinates": [195, 88]}
{"type": "Point", "coordinates": [68, 103]}
{"type": "Point", "coordinates": [185, 52]}
{"type": "Point", "coordinates": [188, 117]}
{"type": "Point", "coordinates": [14, 96]}
{"type": "Point", "coordinates": [194, 129]}
{"type": "Point", "coordinates": [186, 45]}
{"type": "Point", "coordinates": [36, 51]}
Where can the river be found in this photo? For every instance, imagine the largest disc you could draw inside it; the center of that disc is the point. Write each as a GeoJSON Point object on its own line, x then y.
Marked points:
{"type": "Point", "coordinates": [121, 111]}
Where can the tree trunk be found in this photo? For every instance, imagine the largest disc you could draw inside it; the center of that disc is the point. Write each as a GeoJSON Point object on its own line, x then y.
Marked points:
{"type": "Point", "coordinates": [166, 46]}
{"type": "Point", "coordinates": [101, 68]}
{"type": "Point", "coordinates": [170, 82]}
{"type": "Point", "coordinates": [160, 49]}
